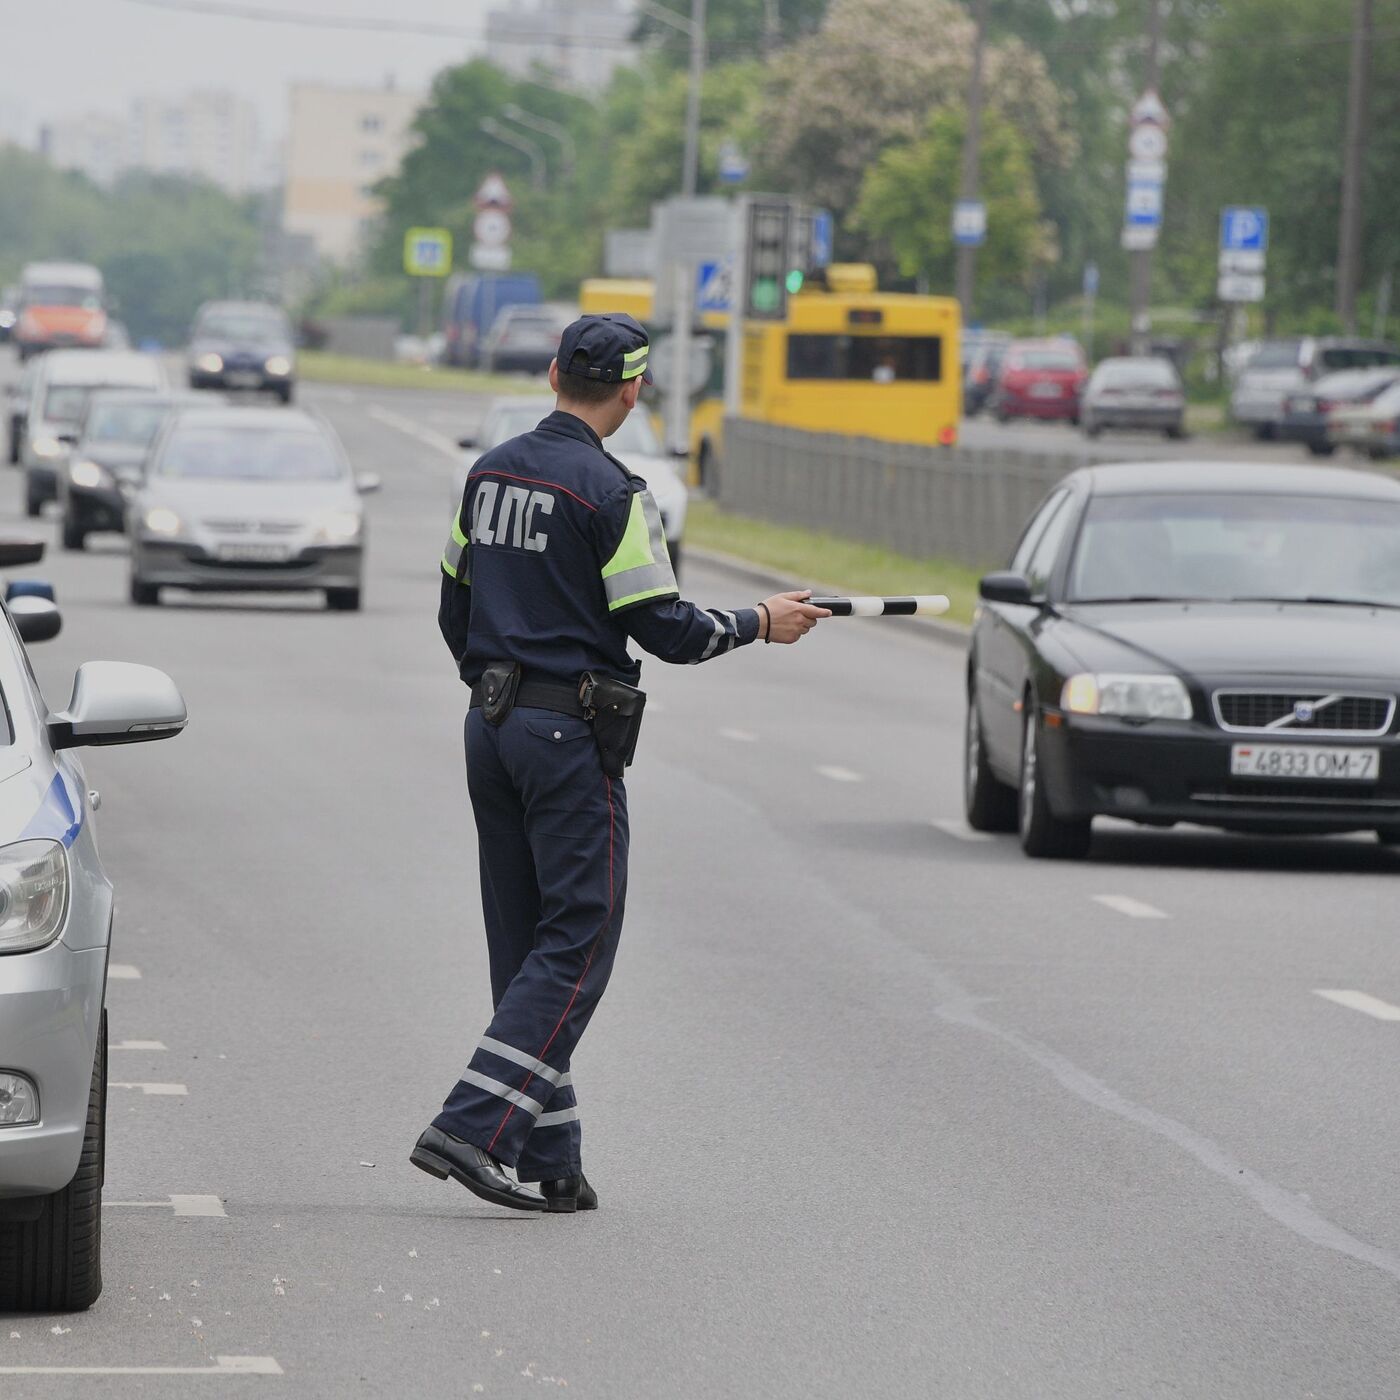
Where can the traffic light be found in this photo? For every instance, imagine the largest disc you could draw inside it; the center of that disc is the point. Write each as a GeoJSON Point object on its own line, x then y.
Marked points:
{"type": "Point", "coordinates": [767, 262]}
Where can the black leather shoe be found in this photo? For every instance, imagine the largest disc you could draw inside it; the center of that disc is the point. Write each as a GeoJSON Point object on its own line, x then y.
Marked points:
{"type": "Point", "coordinates": [442, 1155]}
{"type": "Point", "coordinates": [568, 1194]}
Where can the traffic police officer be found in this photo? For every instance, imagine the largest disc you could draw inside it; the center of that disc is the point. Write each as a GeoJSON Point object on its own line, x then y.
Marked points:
{"type": "Point", "coordinates": [557, 556]}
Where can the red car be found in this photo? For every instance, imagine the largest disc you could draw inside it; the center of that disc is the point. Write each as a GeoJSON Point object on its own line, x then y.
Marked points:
{"type": "Point", "coordinates": [1040, 379]}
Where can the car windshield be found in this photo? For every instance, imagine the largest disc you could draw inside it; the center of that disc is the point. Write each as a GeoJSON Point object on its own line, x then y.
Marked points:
{"type": "Point", "coordinates": [258, 328]}
{"type": "Point", "coordinates": [1047, 358]}
{"type": "Point", "coordinates": [634, 438]}
{"type": "Point", "coordinates": [248, 454]}
{"type": "Point", "coordinates": [1336, 357]}
{"type": "Point", "coordinates": [1275, 354]}
{"type": "Point", "coordinates": [1277, 547]}
{"type": "Point", "coordinates": [83, 297]}
{"type": "Point", "coordinates": [1152, 373]}
{"type": "Point", "coordinates": [64, 403]}
{"type": "Point", "coordinates": [131, 424]}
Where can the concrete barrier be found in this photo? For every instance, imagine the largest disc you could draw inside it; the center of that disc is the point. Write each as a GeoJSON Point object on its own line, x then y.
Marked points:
{"type": "Point", "coordinates": [370, 337]}
{"type": "Point", "coordinates": [967, 504]}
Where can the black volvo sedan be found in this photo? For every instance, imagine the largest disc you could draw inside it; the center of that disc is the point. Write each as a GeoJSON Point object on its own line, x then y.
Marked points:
{"type": "Point", "coordinates": [1191, 642]}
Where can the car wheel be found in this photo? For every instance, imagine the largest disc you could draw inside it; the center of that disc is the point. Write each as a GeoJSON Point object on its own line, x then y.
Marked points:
{"type": "Point", "coordinates": [33, 501]}
{"type": "Point", "coordinates": [1177, 433]}
{"type": "Point", "coordinates": [1042, 832]}
{"type": "Point", "coordinates": [74, 536]}
{"type": "Point", "coordinates": [343, 599]}
{"type": "Point", "coordinates": [1092, 429]}
{"type": "Point", "coordinates": [144, 595]}
{"type": "Point", "coordinates": [285, 392]}
{"type": "Point", "coordinates": [989, 805]}
{"type": "Point", "coordinates": [54, 1263]}
{"type": "Point", "coordinates": [1322, 449]}
{"type": "Point", "coordinates": [1388, 835]}
{"type": "Point", "coordinates": [1001, 415]}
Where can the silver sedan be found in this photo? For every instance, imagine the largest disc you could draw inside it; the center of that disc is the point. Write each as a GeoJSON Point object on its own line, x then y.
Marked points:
{"type": "Point", "coordinates": [240, 500]}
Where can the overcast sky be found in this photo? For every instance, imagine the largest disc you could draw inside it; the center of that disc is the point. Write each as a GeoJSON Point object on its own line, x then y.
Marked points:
{"type": "Point", "coordinates": [67, 56]}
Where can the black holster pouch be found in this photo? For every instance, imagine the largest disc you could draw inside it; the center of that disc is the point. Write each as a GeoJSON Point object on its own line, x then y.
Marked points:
{"type": "Point", "coordinates": [615, 711]}
{"type": "Point", "coordinates": [498, 685]}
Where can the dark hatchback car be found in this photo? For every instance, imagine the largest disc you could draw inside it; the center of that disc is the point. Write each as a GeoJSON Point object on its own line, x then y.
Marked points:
{"type": "Point", "coordinates": [1307, 413]}
{"type": "Point", "coordinates": [1205, 642]}
{"type": "Point", "coordinates": [242, 345]}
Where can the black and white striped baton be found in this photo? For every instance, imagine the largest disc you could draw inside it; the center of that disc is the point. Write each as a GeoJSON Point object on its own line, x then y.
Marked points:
{"type": "Point", "coordinates": [917, 605]}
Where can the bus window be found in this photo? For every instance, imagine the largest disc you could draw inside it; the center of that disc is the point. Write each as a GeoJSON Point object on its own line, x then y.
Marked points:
{"type": "Point", "coordinates": [878, 358]}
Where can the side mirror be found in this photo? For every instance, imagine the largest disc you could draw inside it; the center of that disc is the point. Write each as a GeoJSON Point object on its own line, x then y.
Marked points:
{"type": "Point", "coordinates": [69, 438]}
{"type": "Point", "coordinates": [16, 552]}
{"type": "Point", "coordinates": [367, 482]}
{"type": "Point", "coordinates": [1005, 587]}
{"type": "Point", "coordinates": [116, 702]}
{"type": "Point", "coordinates": [466, 442]}
{"type": "Point", "coordinates": [36, 619]}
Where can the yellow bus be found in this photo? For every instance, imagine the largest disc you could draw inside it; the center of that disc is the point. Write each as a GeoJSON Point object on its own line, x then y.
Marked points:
{"type": "Point", "coordinates": [858, 362]}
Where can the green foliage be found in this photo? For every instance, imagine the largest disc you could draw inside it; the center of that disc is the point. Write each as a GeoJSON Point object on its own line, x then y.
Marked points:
{"type": "Point", "coordinates": [163, 244]}
{"type": "Point", "coordinates": [907, 203]}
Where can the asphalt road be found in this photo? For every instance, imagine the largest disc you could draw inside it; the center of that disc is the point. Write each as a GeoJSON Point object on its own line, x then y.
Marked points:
{"type": "Point", "coordinates": [875, 1108]}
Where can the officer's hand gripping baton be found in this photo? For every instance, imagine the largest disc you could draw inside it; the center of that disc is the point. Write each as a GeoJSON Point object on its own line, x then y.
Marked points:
{"type": "Point", "coordinates": [916, 605]}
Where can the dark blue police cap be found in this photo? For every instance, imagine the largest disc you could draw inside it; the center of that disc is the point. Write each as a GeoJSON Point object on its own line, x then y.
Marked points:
{"type": "Point", "coordinates": [610, 348]}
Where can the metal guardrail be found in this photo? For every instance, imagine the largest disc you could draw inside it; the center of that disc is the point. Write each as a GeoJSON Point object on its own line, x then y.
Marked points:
{"type": "Point", "coordinates": [966, 504]}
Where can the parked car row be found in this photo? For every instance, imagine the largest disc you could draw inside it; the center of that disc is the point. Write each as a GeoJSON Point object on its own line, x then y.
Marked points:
{"type": "Point", "coordinates": [1280, 369]}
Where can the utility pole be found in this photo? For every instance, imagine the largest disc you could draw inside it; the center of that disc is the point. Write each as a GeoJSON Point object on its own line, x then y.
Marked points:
{"type": "Point", "coordinates": [1353, 158]}
{"type": "Point", "coordinates": [971, 159]}
{"type": "Point", "coordinates": [1139, 322]}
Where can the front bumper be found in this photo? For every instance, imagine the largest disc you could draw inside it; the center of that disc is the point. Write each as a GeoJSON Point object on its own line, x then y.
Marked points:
{"type": "Point", "coordinates": [96, 508]}
{"type": "Point", "coordinates": [1310, 428]}
{"type": "Point", "coordinates": [1124, 416]}
{"type": "Point", "coordinates": [182, 564]}
{"type": "Point", "coordinates": [1161, 773]}
{"type": "Point", "coordinates": [50, 1016]}
{"type": "Point", "coordinates": [1023, 406]}
{"type": "Point", "coordinates": [253, 380]}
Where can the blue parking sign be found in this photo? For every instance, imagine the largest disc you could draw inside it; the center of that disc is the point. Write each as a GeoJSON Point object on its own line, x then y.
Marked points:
{"type": "Point", "coordinates": [1244, 229]}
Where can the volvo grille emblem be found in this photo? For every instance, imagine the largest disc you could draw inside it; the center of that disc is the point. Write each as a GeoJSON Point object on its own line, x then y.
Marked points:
{"type": "Point", "coordinates": [1304, 711]}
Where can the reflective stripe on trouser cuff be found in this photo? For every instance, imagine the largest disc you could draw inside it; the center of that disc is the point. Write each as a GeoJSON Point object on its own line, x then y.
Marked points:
{"type": "Point", "coordinates": [562, 1115]}
{"type": "Point", "coordinates": [503, 1091]}
{"type": "Point", "coordinates": [503, 1051]}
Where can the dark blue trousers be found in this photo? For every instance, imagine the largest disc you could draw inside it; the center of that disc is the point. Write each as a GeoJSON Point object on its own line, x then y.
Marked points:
{"type": "Point", "coordinates": [552, 840]}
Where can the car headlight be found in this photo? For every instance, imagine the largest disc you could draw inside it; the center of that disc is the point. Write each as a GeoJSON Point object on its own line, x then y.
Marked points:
{"type": "Point", "coordinates": [278, 364]}
{"type": "Point", "coordinates": [89, 474]}
{"type": "Point", "coordinates": [48, 447]}
{"type": "Point", "coordinates": [210, 364]}
{"type": "Point", "coordinates": [1127, 696]}
{"type": "Point", "coordinates": [162, 521]}
{"type": "Point", "coordinates": [19, 1100]}
{"type": "Point", "coordinates": [33, 894]}
{"type": "Point", "coordinates": [340, 527]}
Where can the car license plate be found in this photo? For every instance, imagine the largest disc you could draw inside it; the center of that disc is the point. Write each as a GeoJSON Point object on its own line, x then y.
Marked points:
{"type": "Point", "coordinates": [253, 553]}
{"type": "Point", "coordinates": [1045, 391]}
{"type": "Point", "coordinates": [244, 379]}
{"type": "Point", "coordinates": [1305, 761]}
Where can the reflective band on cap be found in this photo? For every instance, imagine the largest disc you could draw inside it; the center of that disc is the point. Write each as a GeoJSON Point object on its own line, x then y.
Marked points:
{"type": "Point", "coordinates": [634, 362]}
{"type": "Point", "coordinates": [640, 567]}
{"type": "Point", "coordinates": [519, 1057]}
{"type": "Point", "coordinates": [503, 1091]}
{"type": "Point", "coordinates": [552, 1120]}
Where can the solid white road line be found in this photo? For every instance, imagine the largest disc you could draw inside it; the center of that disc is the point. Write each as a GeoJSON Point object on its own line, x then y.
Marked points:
{"type": "Point", "coordinates": [174, 1090]}
{"type": "Point", "coordinates": [739, 736]}
{"type": "Point", "coordinates": [426, 436]}
{"type": "Point", "coordinates": [960, 831]}
{"type": "Point", "coordinates": [224, 1366]}
{"type": "Point", "coordinates": [138, 1045]}
{"type": "Point", "coordinates": [838, 775]}
{"type": "Point", "coordinates": [1133, 908]}
{"type": "Point", "coordinates": [1359, 1001]}
{"type": "Point", "coordinates": [208, 1207]}
{"type": "Point", "coordinates": [123, 972]}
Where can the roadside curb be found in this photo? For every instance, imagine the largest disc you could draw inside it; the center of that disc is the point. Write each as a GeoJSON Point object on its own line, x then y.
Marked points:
{"type": "Point", "coordinates": [950, 634]}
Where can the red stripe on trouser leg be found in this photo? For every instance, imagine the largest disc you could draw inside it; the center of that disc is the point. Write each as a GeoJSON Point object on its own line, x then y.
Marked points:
{"type": "Point", "coordinates": [588, 962]}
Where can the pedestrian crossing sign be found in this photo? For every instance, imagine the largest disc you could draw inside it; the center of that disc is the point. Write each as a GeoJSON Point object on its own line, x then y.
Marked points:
{"type": "Point", "coordinates": [427, 252]}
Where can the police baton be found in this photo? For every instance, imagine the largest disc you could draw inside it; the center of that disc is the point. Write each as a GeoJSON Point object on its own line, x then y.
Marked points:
{"type": "Point", "coordinates": [916, 605]}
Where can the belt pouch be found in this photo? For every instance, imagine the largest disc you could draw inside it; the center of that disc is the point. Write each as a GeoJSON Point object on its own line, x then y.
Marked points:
{"type": "Point", "coordinates": [499, 683]}
{"type": "Point", "coordinates": [616, 713]}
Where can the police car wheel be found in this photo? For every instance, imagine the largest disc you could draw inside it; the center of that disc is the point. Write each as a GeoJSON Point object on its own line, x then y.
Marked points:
{"type": "Point", "coordinates": [343, 599]}
{"type": "Point", "coordinates": [144, 595]}
{"type": "Point", "coordinates": [1043, 834]}
{"type": "Point", "coordinates": [988, 805]}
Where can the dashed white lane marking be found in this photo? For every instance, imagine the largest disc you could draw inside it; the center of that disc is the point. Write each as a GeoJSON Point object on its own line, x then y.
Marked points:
{"type": "Point", "coordinates": [1359, 1001]}
{"type": "Point", "coordinates": [139, 1045]}
{"type": "Point", "coordinates": [123, 972]}
{"type": "Point", "coordinates": [739, 736]}
{"type": "Point", "coordinates": [223, 1366]}
{"type": "Point", "coordinates": [1133, 908]}
{"type": "Point", "coordinates": [426, 436]}
{"type": "Point", "coordinates": [838, 775]}
{"type": "Point", "coordinates": [168, 1089]}
{"type": "Point", "coordinates": [960, 831]}
{"type": "Point", "coordinates": [206, 1207]}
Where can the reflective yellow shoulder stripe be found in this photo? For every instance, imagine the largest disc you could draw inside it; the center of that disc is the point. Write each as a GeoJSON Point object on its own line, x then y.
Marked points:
{"type": "Point", "coordinates": [454, 557]}
{"type": "Point", "coordinates": [640, 567]}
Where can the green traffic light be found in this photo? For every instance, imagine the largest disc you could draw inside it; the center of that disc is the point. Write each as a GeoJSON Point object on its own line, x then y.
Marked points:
{"type": "Point", "coordinates": [794, 281]}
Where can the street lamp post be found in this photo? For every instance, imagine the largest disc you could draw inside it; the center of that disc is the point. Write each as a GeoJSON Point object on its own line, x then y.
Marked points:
{"type": "Point", "coordinates": [534, 122]}
{"type": "Point", "coordinates": [507, 137]}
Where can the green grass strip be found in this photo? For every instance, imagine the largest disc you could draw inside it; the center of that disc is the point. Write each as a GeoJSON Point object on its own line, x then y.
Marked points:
{"type": "Point", "coordinates": [854, 567]}
{"type": "Point", "coordinates": [320, 367]}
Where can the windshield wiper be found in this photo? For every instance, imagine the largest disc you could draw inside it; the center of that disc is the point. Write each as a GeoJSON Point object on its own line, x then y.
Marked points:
{"type": "Point", "coordinates": [1140, 598]}
{"type": "Point", "coordinates": [1325, 601]}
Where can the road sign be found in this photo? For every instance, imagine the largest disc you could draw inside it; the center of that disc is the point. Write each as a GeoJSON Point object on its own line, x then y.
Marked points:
{"type": "Point", "coordinates": [1147, 142]}
{"type": "Point", "coordinates": [712, 286]}
{"type": "Point", "coordinates": [733, 166]}
{"type": "Point", "coordinates": [1240, 286]}
{"type": "Point", "coordinates": [969, 223]}
{"type": "Point", "coordinates": [427, 252]}
{"type": "Point", "coordinates": [1244, 229]}
{"type": "Point", "coordinates": [1149, 172]}
{"type": "Point", "coordinates": [492, 227]}
{"type": "Point", "coordinates": [490, 257]}
{"type": "Point", "coordinates": [822, 247]}
{"type": "Point", "coordinates": [1091, 279]}
{"type": "Point", "coordinates": [493, 193]}
{"type": "Point", "coordinates": [1144, 203]}
{"type": "Point", "coordinates": [1246, 260]}
{"type": "Point", "coordinates": [1139, 238]}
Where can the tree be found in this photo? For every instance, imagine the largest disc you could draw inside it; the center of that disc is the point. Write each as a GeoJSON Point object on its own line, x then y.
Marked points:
{"type": "Point", "coordinates": [906, 204]}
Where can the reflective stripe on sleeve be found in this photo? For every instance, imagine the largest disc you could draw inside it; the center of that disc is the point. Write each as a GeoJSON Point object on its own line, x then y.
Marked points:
{"type": "Point", "coordinates": [503, 1091]}
{"type": "Point", "coordinates": [536, 1067]}
{"type": "Point", "coordinates": [640, 567]}
{"type": "Point", "coordinates": [454, 557]}
{"type": "Point", "coordinates": [560, 1115]}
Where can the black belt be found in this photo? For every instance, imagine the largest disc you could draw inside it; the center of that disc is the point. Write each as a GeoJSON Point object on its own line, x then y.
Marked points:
{"type": "Point", "coordinates": [540, 695]}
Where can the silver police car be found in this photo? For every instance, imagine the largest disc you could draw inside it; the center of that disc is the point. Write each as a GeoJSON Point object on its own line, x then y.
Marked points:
{"type": "Point", "coordinates": [55, 933]}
